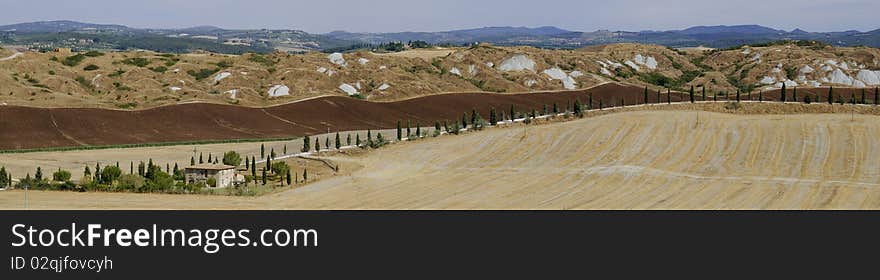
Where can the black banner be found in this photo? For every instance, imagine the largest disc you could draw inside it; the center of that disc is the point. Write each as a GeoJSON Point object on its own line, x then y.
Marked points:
{"type": "Point", "coordinates": [428, 244]}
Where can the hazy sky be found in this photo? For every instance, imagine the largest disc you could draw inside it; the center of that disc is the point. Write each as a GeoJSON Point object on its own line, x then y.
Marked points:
{"type": "Point", "coordinates": [319, 16]}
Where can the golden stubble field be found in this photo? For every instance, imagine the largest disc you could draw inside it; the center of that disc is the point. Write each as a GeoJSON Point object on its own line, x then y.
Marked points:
{"type": "Point", "coordinates": [650, 159]}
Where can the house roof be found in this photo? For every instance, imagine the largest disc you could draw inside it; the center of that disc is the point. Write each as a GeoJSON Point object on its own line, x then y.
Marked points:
{"type": "Point", "coordinates": [207, 166]}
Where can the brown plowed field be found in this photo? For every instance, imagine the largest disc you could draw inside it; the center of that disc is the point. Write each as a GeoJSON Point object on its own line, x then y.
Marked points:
{"type": "Point", "coordinates": [27, 127]}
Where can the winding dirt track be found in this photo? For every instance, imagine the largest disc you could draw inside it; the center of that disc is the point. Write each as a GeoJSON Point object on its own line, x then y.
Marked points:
{"type": "Point", "coordinates": [629, 160]}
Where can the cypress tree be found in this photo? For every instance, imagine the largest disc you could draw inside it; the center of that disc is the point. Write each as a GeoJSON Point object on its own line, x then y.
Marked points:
{"type": "Point", "coordinates": [247, 163]}
{"type": "Point", "coordinates": [285, 149]}
{"type": "Point", "coordinates": [704, 93]}
{"type": "Point", "coordinates": [408, 133]}
{"type": "Point", "coordinates": [369, 137]}
{"type": "Point", "coordinates": [348, 139]}
{"type": "Point", "coordinates": [268, 164]}
{"type": "Point", "coordinates": [201, 160]}
{"type": "Point", "coordinates": [658, 96]}
{"type": "Point", "coordinates": [473, 117]}
{"type": "Point", "coordinates": [590, 105]}
{"type": "Point", "coordinates": [545, 109]}
{"type": "Point", "coordinates": [830, 95]}
{"type": "Point", "coordinates": [577, 108]}
{"type": "Point", "coordinates": [600, 104]}
{"type": "Point", "coordinates": [876, 96]}
{"type": "Point", "coordinates": [464, 120]}
{"type": "Point", "coordinates": [782, 93]}
{"type": "Point", "coordinates": [176, 169]}
{"type": "Point", "coordinates": [317, 144]}
{"type": "Point", "coordinates": [264, 177]}
{"type": "Point", "coordinates": [131, 165]}
{"type": "Point", "coordinates": [493, 119]}
{"type": "Point", "coordinates": [262, 151]}
{"type": "Point", "coordinates": [141, 169]}
{"type": "Point", "coordinates": [418, 130]}
{"type": "Point", "coordinates": [306, 144]}
{"type": "Point", "coordinates": [39, 175]}
{"type": "Point", "coordinates": [288, 176]}
{"type": "Point", "coordinates": [271, 153]}
{"type": "Point", "coordinates": [692, 94]}
{"type": "Point", "coordinates": [863, 96]}
{"type": "Point", "coordinates": [167, 168]}
{"type": "Point", "coordinates": [305, 175]}
{"type": "Point", "coordinates": [192, 161]}
{"type": "Point", "coordinates": [555, 108]}
{"type": "Point", "coordinates": [399, 131]}
{"type": "Point", "coordinates": [512, 113]}
{"type": "Point", "coordinates": [338, 141]}
{"type": "Point", "coordinates": [852, 98]}
{"type": "Point", "coordinates": [98, 172]}
{"type": "Point", "coordinates": [436, 127]}
{"type": "Point", "coordinates": [646, 94]}
{"type": "Point", "coordinates": [737, 96]}
{"type": "Point", "coordinates": [209, 160]}
{"type": "Point", "coordinates": [794, 94]}
{"type": "Point", "coordinates": [668, 96]}
{"type": "Point", "coordinates": [327, 143]}
{"type": "Point", "coordinates": [357, 140]}
{"type": "Point", "coordinates": [750, 95]}
{"type": "Point", "coordinates": [254, 167]}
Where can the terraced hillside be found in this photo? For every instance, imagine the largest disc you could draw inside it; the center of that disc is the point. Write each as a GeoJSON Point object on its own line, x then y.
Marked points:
{"type": "Point", "coordinates": [646, 159]}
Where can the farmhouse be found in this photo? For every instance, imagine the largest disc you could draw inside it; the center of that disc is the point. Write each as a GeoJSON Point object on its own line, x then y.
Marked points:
{"type": "Point", "coordinates": [223, 175]}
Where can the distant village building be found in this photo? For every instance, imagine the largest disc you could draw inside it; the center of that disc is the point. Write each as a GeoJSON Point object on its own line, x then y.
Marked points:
{"type": "Point", "coordinates": [64, 51]}
{"type": "Point", "coordinates": [224, 175]}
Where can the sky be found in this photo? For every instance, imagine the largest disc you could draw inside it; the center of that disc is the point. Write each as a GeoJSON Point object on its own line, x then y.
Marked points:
{"type": "Point", "coordinates": [321, 16]}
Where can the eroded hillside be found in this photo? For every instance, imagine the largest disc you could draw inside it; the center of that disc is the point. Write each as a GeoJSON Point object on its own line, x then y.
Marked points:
{"type": "Point", "coordinates": [131, 80]}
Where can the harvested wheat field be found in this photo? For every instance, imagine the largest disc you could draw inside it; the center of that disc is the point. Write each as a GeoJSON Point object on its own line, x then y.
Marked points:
{"type": "Point", "coordinates": [653, 159]}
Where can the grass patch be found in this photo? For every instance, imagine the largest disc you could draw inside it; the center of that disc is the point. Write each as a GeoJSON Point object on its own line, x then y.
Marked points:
{"type": "Point", "coordinates": [136, 61]}
{"type": "Point", "coordinates": [202, 74]}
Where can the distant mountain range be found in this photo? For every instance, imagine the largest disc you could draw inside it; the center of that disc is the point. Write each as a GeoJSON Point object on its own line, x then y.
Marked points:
{"type": "Point", "coordinates": [81, 36]}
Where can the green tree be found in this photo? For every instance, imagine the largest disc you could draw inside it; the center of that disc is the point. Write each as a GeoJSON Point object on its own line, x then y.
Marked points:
{"type": "Point", "coordinates": [58, 176]}
{"type": "Point", "coordinates": [284, 151]}
{"type": "Point", "coordinates": [131, 166]}
{"type": "Point", "coordinates": [268, 164]}
{"type": "Point", "coordinates": [668, 96]}
{"type": "Point", "coordinates": [408, 132]}
{"type": "Point", "coordinates": [863, 96]}
{"type": "Point", "coordinates": [317, 144]}
{"type": "Point", "coordinates": [280, 168]}
{"type": "Point", "coordinates": [327, 143]}
{"type": "Point", "coordinates": [288, 176]}
{"type": "Point", "coordinates": [418, 130]}
{"type": "Point", "coordinates": [98, 171]}
{"type": "Point", "coordinates": [577, 108]}
{"type": "Point", "coordinates": [141, 169]}
{"type": "Point", "coordinates": [830, 95]}
{"type": "Point", "coordinates": [737, 95]}
{"type": "Point", "coordinates": [436, 128]}
{"type": "Point", "coordinates": [692, 93]}
{"type": "Point", "coordinates": [357, 141]}
{"type": "Point", "coordinates": [338, 142]}
{"type": "Point", "coordinates": [704, 92]}
{"type": "Point", "coordinates": [305, 175]}
{"type": "Point", "coordinates": [262, 151]}
{"type": "Point", "coordinates": [348, 139]}
{"type": "Point", "coordinates": [87, 172]}
{"type": "Point", "coordinates": [110, 174]}
{"type": "Point", "coordinates": [264, 177]}
{"type": "Point", "coordinates": [590, 102]}
{"type": "Point", "coordinates": [399, 131]}
{"type": "Point", "coordinates": [3, 177]}
{"type": "Point", "coordinates": [306, 144]}
{"type": "Point", "coordinates": [210, 160]}
{"type": "Point", "coordinates": [39, 175]}
{"type": "Point", "coordinates": [464, 120]}
{"type": "Point", "coordinates": [201, 161]}
{"type": "Point", "coordinates": [254, 167]}
{"type": "Point", "coordinates": [272, 153]}
{"type": "Point", "coordinates": [192, 161]}
{"type": "Point", "coordinates": [231, 158]}
{"type": "Point", "coordinates": [782, 93]}
{"type": "Point", "coordinates": [178, 174]}
{"type": "Point", "coordinates": [646, 94]}
{"type": "Point", "coordinates": [512, 112]}
{"type": "Point", "coordinates": [794, 94]}
{"type": "Point", "coordinates": [493, 119]}
{"type": "Point", "coordinates": [247, 163]}
{"type": "Point", "coordinates": [761, 96]}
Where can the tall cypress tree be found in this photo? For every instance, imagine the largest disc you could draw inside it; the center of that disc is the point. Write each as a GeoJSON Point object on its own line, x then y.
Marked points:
{"type": "Point", "coordinates": [418, 130]}
{"type": "Point", "coordinates": [262, 151]}
{"type": "Point", "coordinates": [555, 108]}
{"type": "Point", "coordinates": [306, 144]}
{"type": "Point", "coordinates": [668, 96]}
{"type": "Point", "coordinates": [704, 92]}
{"type": "Point", "coordinates": [512, 113]}
{"type": "Point", "coordinates": [646, 94]}
{"type": "Point", "coordinates": [473, 117]}
{"type": "Point", "coordinates": [131, 165]}
{"type": "Point", "coordinates": [247, 163]}
{"type": "Point", "coordinates": [338, 141]}
{"type": "Point", "coordinates": [658, 96]}
{"type": "Point", "coordinates": [327, 143]}
{"type": "Point", "coordinates": [192, 161]}
{"type": "Point", "coordinates": [201, 158]}
{"type": "Point", "coordinates": [437, 128]}
{"type": "Point", "coordinates": [254, 167]}
{"type": "Point", "coordinates": [264, 177]}
{"type": "Point", "coordinates": [692, 94]}
{"type": "Point", "coordinates": [288, 176]}
{"type": "Point", "coordinates": [737, 95]}
{"type": "Point", "coordinates": [863, 96]}
{"type": "Point", "coordinates": [464, 120]}
{"type": "Point", "coordinates": [493, 119]}
{"type": "Point", "coordinates": [590, 105]}
{"type": "Point", "coordinates": [317, 144]}
{"type": "Point", "coordinates": [408, 133]}
{"type": "Point", "coordinates": [348, 139]}
{"type": "Point", "coordinates": [794, 94]}
{"type": "Point", "coordinates": [782, 93]}
{"type": "Point", "coordinates": [399, 131]}
{"type": "Point", "coordinates": [357, 141]}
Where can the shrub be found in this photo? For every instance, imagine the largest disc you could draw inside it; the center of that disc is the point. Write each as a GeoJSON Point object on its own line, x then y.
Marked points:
{"type": "Point", "coordinates": [231, 158]}
{"type": "Point", "coordinates": [61, 175]}
{"type": "Point", "coordinates": [136, 61]}
{"type": "Point", "coordinates": [73, 60]}
{"type": "Point", "coordinates": [91, 67]}
{"type": "Point", "coordinates": [203, 73]}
